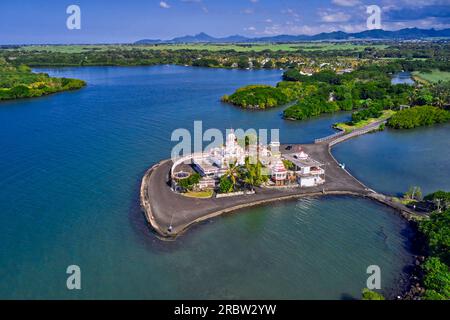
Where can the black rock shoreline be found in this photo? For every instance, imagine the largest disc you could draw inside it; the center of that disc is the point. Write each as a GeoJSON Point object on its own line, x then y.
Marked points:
{"type": "Point", "coordinates": [412, 288]}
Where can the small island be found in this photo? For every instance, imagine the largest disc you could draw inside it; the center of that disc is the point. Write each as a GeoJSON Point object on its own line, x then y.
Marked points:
{"type": "Point", "coordinates": [19, 82]}
{"type": "Point", "coordinates": [258, 97]}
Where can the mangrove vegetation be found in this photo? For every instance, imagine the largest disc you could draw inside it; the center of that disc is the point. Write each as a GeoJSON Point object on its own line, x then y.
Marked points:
{"type": "Point", "coordinates": [418, 116]}
{"type": "Point", "coordinates": [436, 267]}
{"type": "Point", "coordinates": [21, 82]}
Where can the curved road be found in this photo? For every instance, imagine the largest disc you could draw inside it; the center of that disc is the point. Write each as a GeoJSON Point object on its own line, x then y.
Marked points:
{"type": "Point", "coordinates": [171, 213]}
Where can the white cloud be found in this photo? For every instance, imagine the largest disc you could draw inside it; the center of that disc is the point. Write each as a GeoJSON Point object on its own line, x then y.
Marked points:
{"type": "Point", "coordinates": [200, 3]}
{"type": "Point", "coordinates": [290, 12]}
{"type": "Point", "coordinates": [277, 29]}
{"type": "Point", "coordinates": [247, 11]}
{"type": "Point", "coordinates": [351, 28]}
{"type": "Point", "coordinates": [303, 29]}
{"type": "Point", "coordinates": [346, 3]}
{"type": "Point", "coordinates": [415, 3]}
{"type": "Point", "coordinates": [338, 16]}
{"type": "Point", "coordinates": [164, 5]}
{"type": "Point", "coordinates": [426, 23]}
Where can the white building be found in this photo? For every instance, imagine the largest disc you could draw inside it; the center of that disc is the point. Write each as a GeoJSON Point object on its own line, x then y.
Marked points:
{"type": "Point", "coordinates": [232, 153]}
{"type": "Point", "coordinates": [215, 162]}
{"type": "Point", "coordinates": [309, 172]}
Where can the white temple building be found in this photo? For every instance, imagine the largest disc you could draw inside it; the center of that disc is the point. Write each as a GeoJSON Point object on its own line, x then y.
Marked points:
{"type": "Point", "coordinates": [232, 153]}
{"type": "Point", "coordinates": [213, 164]}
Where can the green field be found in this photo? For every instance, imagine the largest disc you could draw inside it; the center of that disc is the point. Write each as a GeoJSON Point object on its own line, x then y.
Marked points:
{"type": "Point", "coordinates": [433, 76]}
{"type": "Point", "coordinates": [209, 47]}
{"type": "Point", "coordinates": [347, 127]}
{"type": "Point", "coordinates": [199, 194]}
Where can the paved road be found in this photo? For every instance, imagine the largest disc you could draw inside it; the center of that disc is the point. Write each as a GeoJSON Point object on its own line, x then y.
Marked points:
{"type": "Point", "coordinates": [358, 132]}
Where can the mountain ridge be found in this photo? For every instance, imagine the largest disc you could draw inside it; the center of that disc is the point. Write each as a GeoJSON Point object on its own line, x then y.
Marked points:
{"type": "Point", "coordinates": [375, 34]}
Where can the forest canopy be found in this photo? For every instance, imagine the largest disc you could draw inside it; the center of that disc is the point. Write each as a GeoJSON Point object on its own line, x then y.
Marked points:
{"type": "Point", "coordinates": [21, 82]}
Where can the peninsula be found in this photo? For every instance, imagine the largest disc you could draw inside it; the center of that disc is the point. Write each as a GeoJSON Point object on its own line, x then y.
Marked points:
{"type": "Point", "coordinates": [171, 213]}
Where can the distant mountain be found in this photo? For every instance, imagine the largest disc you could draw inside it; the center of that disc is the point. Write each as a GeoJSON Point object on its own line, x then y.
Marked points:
{"type": "Point", "coordinates": [201, 37]}
{"type": "Point", "coordinates": [377, 34]}
{"type": "Point", "coordinates": [198, 38]}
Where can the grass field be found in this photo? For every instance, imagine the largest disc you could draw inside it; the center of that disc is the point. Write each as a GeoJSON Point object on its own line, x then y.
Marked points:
{"type": "Point", "coordinates": [199, 194]}
{"type": "Point", "coordinates": [349, 127]}
{"type": "Point", "coordinates": [434, 76]}
{"type": "Point", "coordinates": [311, 46]}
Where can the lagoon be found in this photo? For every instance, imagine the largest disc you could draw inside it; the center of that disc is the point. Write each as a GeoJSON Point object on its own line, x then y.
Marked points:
{"type": "Point", "coordinates": [71, 168]}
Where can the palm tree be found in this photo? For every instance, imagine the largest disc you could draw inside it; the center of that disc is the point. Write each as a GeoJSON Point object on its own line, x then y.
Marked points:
{"type": "Point", "coordinates": [441, 92]}
{"type": "Point", "coordinates": [439, 101]}
{"type": "Point", "coordinates": [250, 177]}
{"type": "Point", "coordinates": [260, 177]}
{"type": "Point", "coordinates": [232, 173]}
{"type": "Point", "coordinates": [252, 174]}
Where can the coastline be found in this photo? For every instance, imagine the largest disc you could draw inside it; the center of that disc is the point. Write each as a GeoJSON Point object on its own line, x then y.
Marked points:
{"type": "Point", "coordinates": [145, 201]}
{"type": "Point", "coordinates": [44, 95]}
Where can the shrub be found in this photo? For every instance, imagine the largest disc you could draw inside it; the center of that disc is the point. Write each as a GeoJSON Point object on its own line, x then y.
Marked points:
{"type": "Point", "coordinates": [371, 295]}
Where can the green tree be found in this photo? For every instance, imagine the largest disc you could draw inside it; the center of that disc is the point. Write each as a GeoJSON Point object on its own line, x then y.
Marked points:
{"type": "Point", "coordinates": [225, 185]}
{"type": "Point", "coordinates": [250, 178]}
{"type": "Point", "coordinates": [288, 165]}
{"type": "Point", "coordinates": [190, 182]}
{"type": "Point", "coordinates": [441, 199]}
{"type": "Point", "coordinates": [371, 295]}
{"type": "Point", "coordinates": [441, 93]}
{"type": "Point", "coordinates": [437, 231]}
{"type": "Point", "coordinates": [269, 65]}
{"type": "Point", "coordinates": [252, 174]}
{"type": "Point", "coordinates": [437, 279]}
{"type": "Point", "coordinates": [423, 97]}
{"type": "Point", "coordinates": [414, 193]}
{"type": "Point", "coordinates": [232, 174]}
{"type": "Point", "coordinates": [418, 116]}
{"type": "Point", "coordinates": [243, 63]}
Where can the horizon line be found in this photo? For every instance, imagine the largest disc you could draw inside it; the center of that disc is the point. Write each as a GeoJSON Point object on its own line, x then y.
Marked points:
{"type": "Point", "coordinates": [162, 41]}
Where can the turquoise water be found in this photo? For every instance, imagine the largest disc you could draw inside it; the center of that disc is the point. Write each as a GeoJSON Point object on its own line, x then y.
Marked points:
{"type": "Point", "coordinates": [71, 166]}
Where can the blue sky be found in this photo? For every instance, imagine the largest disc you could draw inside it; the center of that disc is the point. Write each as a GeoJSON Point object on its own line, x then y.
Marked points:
{"type": "Point", "coordinates": [102, 21]}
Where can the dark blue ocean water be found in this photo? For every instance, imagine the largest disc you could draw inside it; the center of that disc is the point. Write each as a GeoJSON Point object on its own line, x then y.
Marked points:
{"type": "Point", "coordinates": [71, 166]}
{"type": "Point", "coordinates": [394, 160]}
